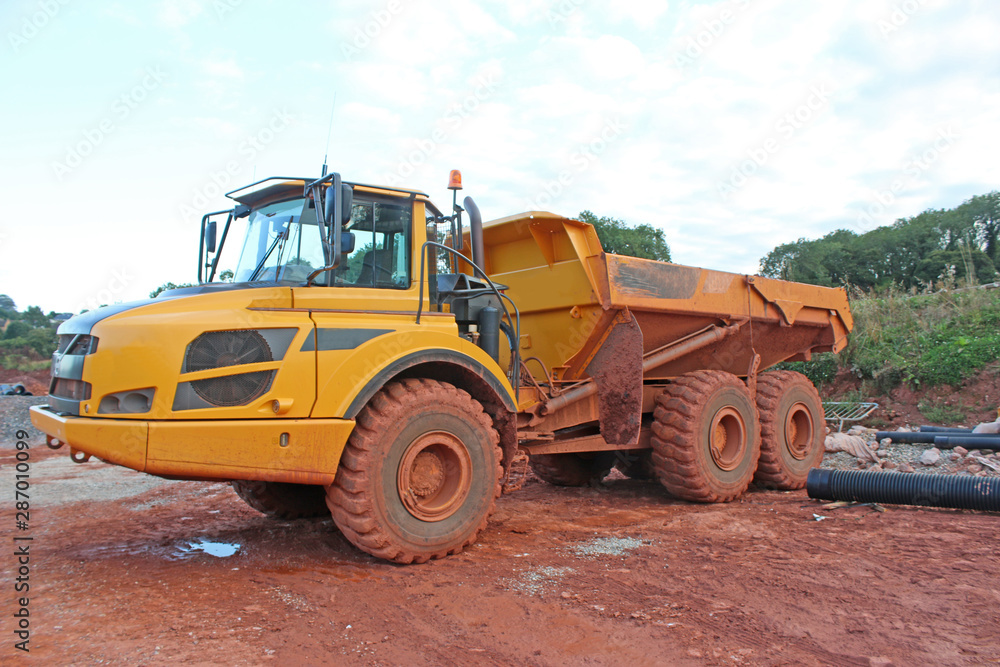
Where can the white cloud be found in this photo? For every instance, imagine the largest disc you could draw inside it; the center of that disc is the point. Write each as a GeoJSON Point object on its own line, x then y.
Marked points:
{"type": "Point", "coordinates": [178, 13]}
{"type": "Point", "coordinates": [553, 86]}
{"type": "Point", "coordinates": [225, 68]}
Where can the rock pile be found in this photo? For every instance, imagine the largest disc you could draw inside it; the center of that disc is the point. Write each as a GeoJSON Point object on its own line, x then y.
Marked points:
{"type": "Point", "coordinates": [858, 449]}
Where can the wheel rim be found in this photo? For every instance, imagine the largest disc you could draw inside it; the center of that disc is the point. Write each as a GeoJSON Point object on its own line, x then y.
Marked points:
{"type": "Point", "coordinates": [727, 438]}
{"type": "Point", "coordinates": [799, 431]}
{"type": "Point", "coordinates": [435, 476]}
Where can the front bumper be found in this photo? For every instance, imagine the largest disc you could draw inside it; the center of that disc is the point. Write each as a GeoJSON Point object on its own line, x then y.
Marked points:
{"type": "Point", "coordinates": [298, 451]}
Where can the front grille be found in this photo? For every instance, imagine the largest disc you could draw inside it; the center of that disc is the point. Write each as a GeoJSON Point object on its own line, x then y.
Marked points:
{"type": "Point", "coordinates": [219, 349]}
{"type": "Point", "coordinates": [233, 390]}
{"type": "Point", "coordinates": [73, 390]}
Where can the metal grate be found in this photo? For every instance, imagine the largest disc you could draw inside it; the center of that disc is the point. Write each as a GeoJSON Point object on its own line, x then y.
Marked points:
{"type": "Point", "coordinates": [233, 390]}
{"type": "Point", "coordinates": [223, 349]}
{"type": "Point", "coordinates": [847, 411]}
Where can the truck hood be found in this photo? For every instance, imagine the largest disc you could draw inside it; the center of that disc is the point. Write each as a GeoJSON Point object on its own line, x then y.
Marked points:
{"type": "Point", "coordinates": [278, 296]}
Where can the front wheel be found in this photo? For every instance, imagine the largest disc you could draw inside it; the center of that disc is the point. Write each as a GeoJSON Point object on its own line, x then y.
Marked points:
{"type": "Point", "coordinates": [420, 474]}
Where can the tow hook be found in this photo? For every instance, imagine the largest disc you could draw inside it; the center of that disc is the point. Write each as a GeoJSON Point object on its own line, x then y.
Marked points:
{"type": "Point", "coordinates": [53, 443]}
{"type": "Point", "coordinates": [78, 456]}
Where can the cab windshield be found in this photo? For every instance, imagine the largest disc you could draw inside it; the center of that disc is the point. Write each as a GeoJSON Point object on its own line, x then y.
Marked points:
{"type": "Point", "coordinates": [283, 245]}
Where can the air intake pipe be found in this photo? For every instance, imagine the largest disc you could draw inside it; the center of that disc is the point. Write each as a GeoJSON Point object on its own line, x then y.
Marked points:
{"type": "Point", "coordinates": [476, 232]}
{"type": "Point", "coordinates": [895, 488]}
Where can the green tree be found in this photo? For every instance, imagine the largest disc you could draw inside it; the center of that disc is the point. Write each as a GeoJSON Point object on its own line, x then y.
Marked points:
{"type": "Point", "coordinates": [7, 303]}
{"type": "Point", "coordinates": [910, 253]}
{"type": "Point", "coordinates": [35, 317]}
{"type": "Point", "coordinates": [619, 238]}
{"type": "Point", "coordinates": [42, 341]}
{"type": "Point", "coordinates": [167, 286]}
{"type": "Point", "coordinates": [16, 329]}
{"type": "Point", "coordinates": [984, 212]}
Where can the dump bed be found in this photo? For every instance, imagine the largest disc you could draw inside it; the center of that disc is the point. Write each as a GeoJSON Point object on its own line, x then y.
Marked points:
{"type": "Point", "coordinates": [570, 295]}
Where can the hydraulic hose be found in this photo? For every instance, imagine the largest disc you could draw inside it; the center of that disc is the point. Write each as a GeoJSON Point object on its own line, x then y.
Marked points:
{"type": "Point", "coordinates": [894, 488]}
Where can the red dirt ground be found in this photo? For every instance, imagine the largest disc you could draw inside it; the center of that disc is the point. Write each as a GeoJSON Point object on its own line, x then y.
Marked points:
{"type": "Point", "coordinates": [978, 399]}
{"type": "Point", "coordinates": [37, 382]}
{"type": "Point", "coordinates": [619, 574]}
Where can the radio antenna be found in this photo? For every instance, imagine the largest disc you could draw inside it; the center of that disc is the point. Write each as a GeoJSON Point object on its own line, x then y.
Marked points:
{"type": "Point", "coordinates": [329, 133]}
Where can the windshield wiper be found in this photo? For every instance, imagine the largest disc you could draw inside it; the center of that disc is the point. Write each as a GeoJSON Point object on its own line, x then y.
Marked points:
{"type": "Point", "coordinates": [282, 235]}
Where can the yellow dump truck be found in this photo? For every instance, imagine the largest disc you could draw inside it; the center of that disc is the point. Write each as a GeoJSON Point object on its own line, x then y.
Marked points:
{"type": "Point", "coordinates": [377, 359]}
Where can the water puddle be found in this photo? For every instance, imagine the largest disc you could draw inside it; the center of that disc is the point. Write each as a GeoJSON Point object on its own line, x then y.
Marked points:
{"type": "Point", "coordinates": [217, 549]}
{"type": "Point", "coordinates": [177, 551]}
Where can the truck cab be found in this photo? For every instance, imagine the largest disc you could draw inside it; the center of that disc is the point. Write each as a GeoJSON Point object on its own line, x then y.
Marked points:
{"type": "Point", "coordinates": [337, 299]}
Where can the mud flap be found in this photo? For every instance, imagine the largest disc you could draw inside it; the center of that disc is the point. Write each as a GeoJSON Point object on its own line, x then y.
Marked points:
{"type": "Point", "coordinates": [616, 368]}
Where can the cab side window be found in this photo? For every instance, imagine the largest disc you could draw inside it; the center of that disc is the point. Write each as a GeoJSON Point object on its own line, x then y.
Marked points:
{"type": "Point", "coordinates": [381, 257]}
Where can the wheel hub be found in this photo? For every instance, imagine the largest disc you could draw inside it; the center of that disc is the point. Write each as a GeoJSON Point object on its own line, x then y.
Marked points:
{"type": "Point", "coordinates": [799, 431]}
{"type": "Point", "coordinates": [434, 476]}
{"type": "Point", "coordinates": [427, 474]}
{"type": "Point", "coordinates": [728, 438]}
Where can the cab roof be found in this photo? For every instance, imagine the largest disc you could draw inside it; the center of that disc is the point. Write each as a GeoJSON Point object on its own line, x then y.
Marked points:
{"type": "Point", "coordinates": [277, 186]}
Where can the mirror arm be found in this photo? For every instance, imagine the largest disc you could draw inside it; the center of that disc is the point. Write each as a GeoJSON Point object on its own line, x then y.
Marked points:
{"type": "Point", "coordinates": [333, 190]}
{"type": "Point", "coordinates": [202, 264]}
{"type": "Point", "coordinates": [222, 242]}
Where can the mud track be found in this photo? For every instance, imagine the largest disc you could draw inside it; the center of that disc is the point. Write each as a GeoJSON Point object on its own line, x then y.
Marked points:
{"type": "Point", "coordinates": [619, 574]}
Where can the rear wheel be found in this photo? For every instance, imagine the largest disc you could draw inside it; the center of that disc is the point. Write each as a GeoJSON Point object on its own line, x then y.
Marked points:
{"type": "Point", "coordinates": [706, 437]}
{"type": "Point", "coordinates": [792, 428]}
{"type": "Point", "coordinates": [572, 469]}
{"type": "Point", "coordinates": [420, 474]}
{"type": "Point", "coordinates": [281, 500]}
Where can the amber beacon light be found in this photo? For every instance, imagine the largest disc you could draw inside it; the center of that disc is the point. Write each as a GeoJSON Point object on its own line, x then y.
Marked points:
{"type": "Point", "coordinates": [455, 180]}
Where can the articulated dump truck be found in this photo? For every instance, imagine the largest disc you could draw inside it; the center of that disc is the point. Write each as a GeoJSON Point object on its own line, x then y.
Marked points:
{"type": "Point", "coordinates": [379, 360]}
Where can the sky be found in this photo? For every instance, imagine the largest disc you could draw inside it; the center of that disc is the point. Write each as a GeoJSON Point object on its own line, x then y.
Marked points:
{"type": "Point", "coordinates": [733, 126]}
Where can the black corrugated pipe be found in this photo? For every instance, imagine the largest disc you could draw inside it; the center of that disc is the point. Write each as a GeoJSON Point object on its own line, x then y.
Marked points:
{"type": "Point", "coordinates": [943, 429]}
{"type": "Point", "coordinates": [977, 441]}
{"type": "Point", "coordinates": [968, 441]}
{"type": "Point", "coordinates": [895, 488]}
{"type": "Point", "coordinates": [476, 232]}
{"type": "Point", "coordinates": [904, 436]}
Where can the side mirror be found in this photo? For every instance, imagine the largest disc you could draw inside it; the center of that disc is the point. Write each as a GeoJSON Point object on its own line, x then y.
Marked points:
{"type": "Point", "coordinates": [210, 233]}
{"type": "Point", "coordinates": [346, 201]}
{"type": "Point", "coordinates": [347, 243]}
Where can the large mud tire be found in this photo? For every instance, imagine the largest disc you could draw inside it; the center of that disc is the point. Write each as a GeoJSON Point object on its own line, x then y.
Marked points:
{"type": "Point", "coordinates": [792, 429]}
{"type": "Point", "coordinates": [572, 469]}
{"type": "Point", "coordinates": [420, 474]}
{"type": "Point", "coordinates": [282, 501]}
{"type": "Point", "coordinates": [706, 437]}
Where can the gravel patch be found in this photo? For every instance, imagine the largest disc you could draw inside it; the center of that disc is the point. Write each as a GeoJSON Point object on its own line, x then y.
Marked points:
{"type": "Point", "coordinates": [537, 581]}
{"type": "Point", "coordinates": [608, 546]}
{"type": "Point", "coordinates": [14, 417]}
{"type": "Point", "coordinates": [59, 481]}
{"type": "Point", "coordinates": [915, 458]}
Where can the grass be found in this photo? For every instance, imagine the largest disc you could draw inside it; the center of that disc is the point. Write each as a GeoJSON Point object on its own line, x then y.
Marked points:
{"type": "Point", "coordinates": [18, 362]}
{"type": "Point", "coordinates": [918, 339]}
{"type": "Point", "coordinates": [939, 413]}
